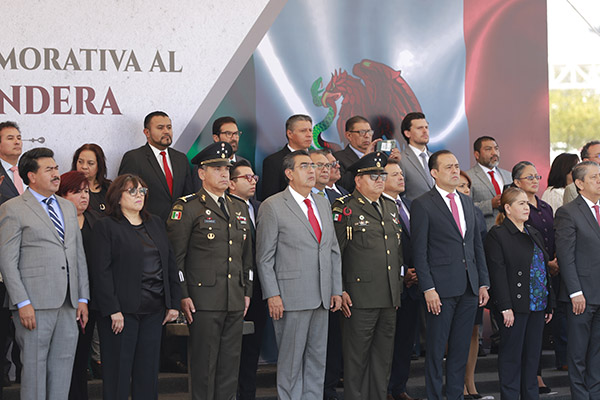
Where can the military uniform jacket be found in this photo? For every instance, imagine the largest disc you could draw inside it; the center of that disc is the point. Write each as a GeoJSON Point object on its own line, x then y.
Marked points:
{"type": "Point", "coordinates": [371, 251]}
{"type": "Point", "coordinates": [213, 253]}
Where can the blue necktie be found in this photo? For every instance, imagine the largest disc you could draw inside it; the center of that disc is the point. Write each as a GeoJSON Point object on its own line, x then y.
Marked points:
{"type": "Point", "coordinates": [55, 219]}
{"type": "Point", "coordinates": [403, 215]}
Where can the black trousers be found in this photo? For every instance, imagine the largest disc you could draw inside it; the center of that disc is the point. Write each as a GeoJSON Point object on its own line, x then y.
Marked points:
{"type": "Point", "coordinates": [406, 320]}
{"type": "Point", "coordinates": [131, 359]}
{"type": "Point", "coordinates": [583, 352]}
{"type": "Point", "coordinates": [251, 344]}
{"type": "Point", "coordinates": [79, 389]}
{"type": "Point", "coordinates": [519, 356]}
{"type": "Point", "coordinates": [334, 362]}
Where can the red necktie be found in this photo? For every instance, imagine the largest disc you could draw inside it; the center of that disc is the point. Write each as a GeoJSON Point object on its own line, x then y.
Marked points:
{"type": "Point", "coordinates": [495, 182]}
{"type": "Point", "coordinates": [18, 182]}
{"type": "Point", "coordinates": [454, 209]}
{"type": "Point", "coordinates": [167, 172]}
{"type": "Point", "coordinates": [313, 220]}
{"type": "Point", "coordinates": [596, 207]}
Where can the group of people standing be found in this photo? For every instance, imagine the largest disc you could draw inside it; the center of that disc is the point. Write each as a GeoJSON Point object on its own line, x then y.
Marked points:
{"type": "Point", "coordinates": [341, 254]}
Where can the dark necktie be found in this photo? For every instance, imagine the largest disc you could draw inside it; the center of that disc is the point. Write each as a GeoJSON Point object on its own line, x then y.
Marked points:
{"type": "Point", "coordinates": [455, 213]}
{"type": "Point", "coordinates": [376, 206]}
{"type": "Point", "coordinates": [55, 219]}
{"type": "Point", "coordinates": [168, 174]}
{"type": "Point", "coordinates": [222, 207]}
{"type": "Point", "coordinates": [313, 220]}
{"type": "Point", "coordinates": [495, 183]}
{"type": "Point", "coordinates": [403, 215]}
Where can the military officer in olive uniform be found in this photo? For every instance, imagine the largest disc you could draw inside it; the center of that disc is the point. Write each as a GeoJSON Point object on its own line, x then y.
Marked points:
{"type": "Point", "coordinates": [368, 230]}
{"type": "Point", "coordinates": [210, 234]}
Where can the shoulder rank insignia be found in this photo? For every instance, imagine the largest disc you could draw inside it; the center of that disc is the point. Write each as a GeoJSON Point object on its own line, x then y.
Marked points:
{"type": "Point", "coordinates": [189, 197]}
{"type": "Point", "coordinates": [344, 198]}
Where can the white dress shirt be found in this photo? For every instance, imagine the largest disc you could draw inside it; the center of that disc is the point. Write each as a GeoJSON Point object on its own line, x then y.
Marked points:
{"type": "Point", "coordinates": [300, 200]}
{"type": "Point", "coordinates": [159, 158]}
{"type": "Point", "coordinates": [461, 212]}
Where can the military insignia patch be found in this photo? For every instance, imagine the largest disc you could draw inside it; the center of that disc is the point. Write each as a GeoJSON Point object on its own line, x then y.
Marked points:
{"type": "Point", "coordinates": [347, 211]}
{"type": "Point", "coordinates": [176, 215]}
{"type": "Point", "coordinates": [178, 207]}
{"type": "Point", "coordinates": [337, 217]}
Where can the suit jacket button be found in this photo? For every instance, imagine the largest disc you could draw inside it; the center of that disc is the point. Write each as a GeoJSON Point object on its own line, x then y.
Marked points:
{"type": "Point", "coordinates": [385, 237]}
{"type": "Point", "coordinates": [62, 267]}
{"type": "Point", "coordinates": [229, 276]}
{"type": "Point", "coordinates": [519, 284]}
{"type": "Point", "coordinates": [518, 296]}
{"type": "Point", "coordinates": [199, 283]}
{"type": "Point", "coordinates": [387, 251]}
{"type": "Point", "coordinates": [357, 279]}
{"type": "Point", "coordinates": [382, 223]}
{"type": "Point", "coordinates": [464, 261]}
{"type": "Point", "coordinates": [519, 273]}
{"type": "Point", "coordinates": [389, 267]}
{"type": "Point", "coordinates": [229, 259]}
{"type": "Point", "coordinates": [230, 225]}
{"type": "Point", "coordinates": [230, 242]}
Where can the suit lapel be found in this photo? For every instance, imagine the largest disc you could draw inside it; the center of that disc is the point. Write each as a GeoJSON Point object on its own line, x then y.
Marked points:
{"type": "Point", "coordinates": [441, 204]}
{"type": "Point", "coordinates": [587, 214]}
{"type": "Point", "coordinates": [297, 211]}
{"type": "Point", "coordinates": [156, 168]}
{"type": "Point", "coordinates": [8, 183]}
{"type": "Point", "coordinates": [469, 215]}
{"type": "Point", "coordinates": [211, 205]}
{"type": "Point", "coordinates": [366, 205]}
{"type": "Point", "coordinates": [484, 179]}
{"type": "Point", "coordinates": [38, 210]}
{"type": "Point", "coordinates": [417, 164]}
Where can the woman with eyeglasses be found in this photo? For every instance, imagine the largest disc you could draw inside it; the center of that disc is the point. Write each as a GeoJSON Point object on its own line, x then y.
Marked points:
{"type": "Point", "coordinates": [521, 291]}
{"type": "Point", "coordinates": [136, 289]}
{"type": "Point", "coordinates": [541, 217]}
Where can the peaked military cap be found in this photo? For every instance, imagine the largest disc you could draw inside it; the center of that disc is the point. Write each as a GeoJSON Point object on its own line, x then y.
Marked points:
{"type": "Point", "coordinates": [214, 155]}
{"type": "Point", "coordinates": [369, 163]}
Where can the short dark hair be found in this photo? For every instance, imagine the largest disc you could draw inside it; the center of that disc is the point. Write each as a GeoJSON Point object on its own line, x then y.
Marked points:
{"type": "Point", "coordinates": [29, 161]}
{"type": "Point", "coordinates": [433, 159]}
{"type": "Point", "coordinates": [561, 167]}
{"type": "Point", "coordinates": [323, 152]}
{"type": "Point", "coordinates": [153, 114]}
{"type": "Point", "coordinates": [72, 182]}
{"type": "Point", "coordinates": [393, 161]}
{"type": "Point", "coordinates": [100, 161]}
{"type": "Point", "coordinates": [8, 124]}
{"type": "Point", "coordinates": [290, 160]}
{"type": "Point", "coordinates": [581, 169]}
{"type": "Point", "coordinates": [289, 124]}
{"type": "Point", "coordinates": [354, 120]}
{"type": "Point", "coordinates": [113, 196]}
{"type": "Point", "coordinates": [219, 122]}
{"type": "Point", "coordinates": [517, 170]}
{"type": "Point", "coordinates": [239, 164]}
{"type": "Point", "coordinates": [586, 148]}
{"type": "Point", "coordinates": [407, 122]}
{"type": "Point", "coordinates": [479, 141]}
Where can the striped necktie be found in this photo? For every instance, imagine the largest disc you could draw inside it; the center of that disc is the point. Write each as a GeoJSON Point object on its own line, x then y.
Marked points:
{"type": "Point", "coordinates": [55, 219]}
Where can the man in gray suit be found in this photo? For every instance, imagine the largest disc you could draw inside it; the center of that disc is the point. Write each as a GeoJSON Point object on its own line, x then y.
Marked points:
{"type": "Point", "coordinates": [488, 180]}
{"type": "Point", "coordinates": [43, 265]}
{"type": "Point", "coordinates": [299, 265]}
{"type": "Point", "coordinates": [577, 243]}
{"type": "Point", "coordinates": [415, 155]}
{"type": "Point", "coordinates": [589, 152]}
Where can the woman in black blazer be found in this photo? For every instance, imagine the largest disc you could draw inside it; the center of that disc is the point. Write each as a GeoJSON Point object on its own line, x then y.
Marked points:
{"type": "Point", "coordinates": [136, 290]}
{"type": "Point", "coordinates": [521, 290]}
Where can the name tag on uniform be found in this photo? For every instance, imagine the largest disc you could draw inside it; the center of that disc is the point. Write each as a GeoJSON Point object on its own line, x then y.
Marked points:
{"type": "Point", "coordinates": [209, 220]}
{"type": "Point", "coordinates": [241, 219]}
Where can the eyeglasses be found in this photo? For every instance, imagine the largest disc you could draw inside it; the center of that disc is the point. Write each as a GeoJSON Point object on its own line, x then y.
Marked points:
{"type": "Point", "coordinates": [229, 135]}
{"type": "Point", "coordinates": [375, 177]}
{"type": "Point", "coordinates": [249, 177]}
{"type": "Point", "coordinates": [322, 165]}
{"type": "Point", "coordinates": [531, 177]}
{"type": "Point", "coordinates": [305, 166]}
{"type": "Point", "coordinates": [134, 191]}
{"type": "Point", "coordinates": [335, 164]}
{"type": "Point", "coordinates": [364, 132]}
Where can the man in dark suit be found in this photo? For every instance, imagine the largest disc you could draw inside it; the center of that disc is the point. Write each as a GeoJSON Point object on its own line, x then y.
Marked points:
{"type": "Point", "coordinates": [488, 180]}
{"type": "Point", "coordinates": [415, 156]}
{"type": "Point", "coordinates": [224, 129]}
{"type": "Point", "coordinates": [43, 265]}
{"type": "Point", "coordinates": [11, 185]}
{"type": "Point", "coordinates": [368, 232]}
{"type": "Point", "coordinates": [211, 238]}
{"type": "Point", "coordinates": [242, 185]}
{"type": "Point", "coordinates": [577, 244]}
{"type": "Point", "coordinates": [450, 264]}
{"type": "Point", "coordinates": [166, 171]}
{"type": "Point", "coordinates": [406, 316]}
{"type": "Point", "coordinates": [332, 189]}
{"type": "Point", "coordinates": [298, 131]}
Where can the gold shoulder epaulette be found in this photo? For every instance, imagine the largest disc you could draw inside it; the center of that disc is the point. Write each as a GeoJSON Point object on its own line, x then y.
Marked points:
{"type": "Point", "coordinates": [189, 197]}
{"type": "Point", "coordinates": [344, 198]}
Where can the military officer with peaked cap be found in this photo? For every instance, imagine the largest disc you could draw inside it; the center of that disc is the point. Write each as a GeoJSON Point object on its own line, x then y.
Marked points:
{"type": "Point", "coordinates": [210, 234]}
{"type": "Point", "coordinates": [368, 231]}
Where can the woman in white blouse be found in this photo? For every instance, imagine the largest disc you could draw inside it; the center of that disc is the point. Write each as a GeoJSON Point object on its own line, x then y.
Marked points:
{"type": "Point", "coordinates": [558, 178]}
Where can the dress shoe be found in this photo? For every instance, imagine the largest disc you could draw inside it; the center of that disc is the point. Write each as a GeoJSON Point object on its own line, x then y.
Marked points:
{"type": "Point", "coordinates": [475, 396]}
{"type": "Point", "coordinates": [402, 396]}
{"type": "Point", "coordinates": [545, 390]}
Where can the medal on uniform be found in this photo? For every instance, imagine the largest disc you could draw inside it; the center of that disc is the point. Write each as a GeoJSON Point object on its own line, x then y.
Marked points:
{"type": "Point", "coordinates": [347, 211]}
{"type": "Point", "coordinates": [207, 212]}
